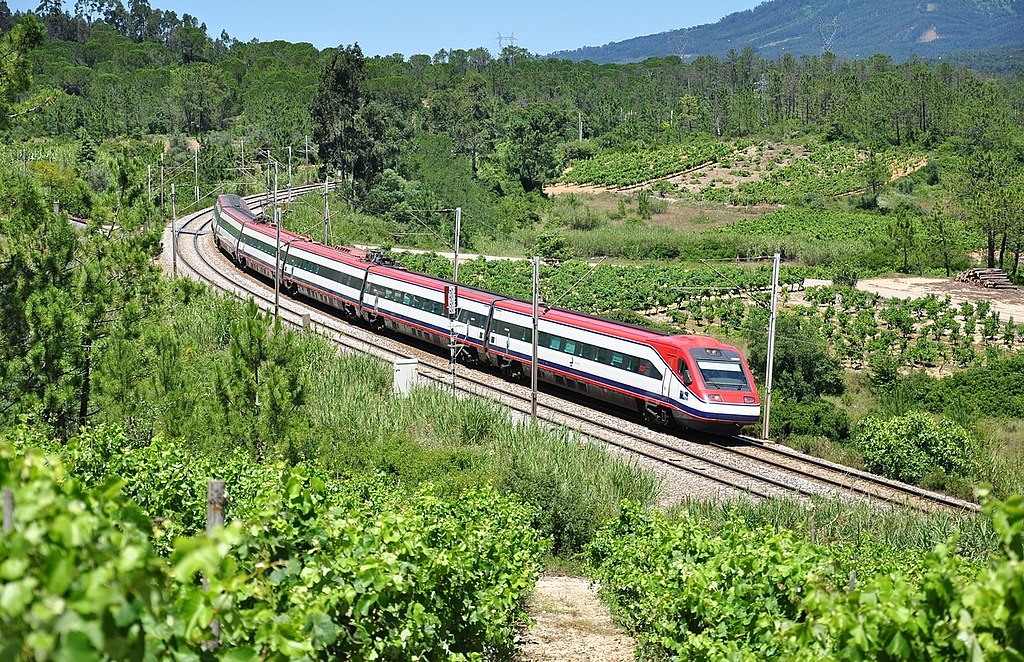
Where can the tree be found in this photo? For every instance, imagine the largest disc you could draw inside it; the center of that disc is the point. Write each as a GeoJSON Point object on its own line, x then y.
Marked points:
{"type": "Point", "coordinates": [903, 232]}
{"type": "Point", "coordinates": [202, 93]}
{"type": "Point", "coordinates": [803, 367]}
{"type": "Point", "coordinates": [338, 99]}
{"type": "Point", "coordinates": [261, 388]}
{"type": "Point", "coordinates": [988, 195]}
{"type": "Point", "coordinates": [876, 174]}
{"type": "Point", "coordinates": [65, 296]}
{"type": "Point", "coordinates": [941, 236]}
{"type": "Point", "coordinates": [15, 65]}
{"type": "Point", "coordinates": [532, 135]}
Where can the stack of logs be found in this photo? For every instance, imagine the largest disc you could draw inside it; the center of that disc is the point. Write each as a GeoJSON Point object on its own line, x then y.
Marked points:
{"type": "Point", "coordinates": [986, 278]}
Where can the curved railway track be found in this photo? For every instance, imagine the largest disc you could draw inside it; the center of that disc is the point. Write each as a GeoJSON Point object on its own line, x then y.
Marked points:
{"type": "Point", "coordinates": [733, 466]}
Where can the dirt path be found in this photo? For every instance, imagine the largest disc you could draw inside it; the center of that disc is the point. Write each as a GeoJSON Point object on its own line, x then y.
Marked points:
{"type": "Point", "coordinates": [572, 625]}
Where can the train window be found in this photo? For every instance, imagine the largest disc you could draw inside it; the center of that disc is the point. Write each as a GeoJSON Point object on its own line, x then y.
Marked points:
{"type": "Point", "coordinates": [684, 372]}
{"type": "Point", "coordinates": [570, 346]}
{"type": "Point", "coordinates": [585, 351]}
{"type": "Point", "coordinates": [648, 369]}
{"type": "Point", "coordinates": [555, 343]}
{"type": "Point", "coordinates": [617, 360]}
{"type": "Point", "coordinates": [721, 369]}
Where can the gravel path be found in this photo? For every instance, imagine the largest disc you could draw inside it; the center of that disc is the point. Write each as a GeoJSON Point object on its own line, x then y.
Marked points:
{"type": "Point", "coordinates": [571, 625]}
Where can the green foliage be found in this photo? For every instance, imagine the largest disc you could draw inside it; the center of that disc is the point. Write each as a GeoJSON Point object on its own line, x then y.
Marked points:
{"type": "Point", "coordinates": [830, 169]}
{"type": "Point", "coordinates": [304, 567]}
{"type": "Point", "coordinates": [631, 165]}
{"type": "Point", "coordinates": [80, 577]}
{"type": "Point", "coordinates": [803, 366]}
{"type": "Point", "coordinates": [16, 66]}
{"type": "Point", "coordinates": [528, 154]}
{"type": "Point", "coordinates": [753, 592]}
{"type": "Point", "coordinates": [909, 447]}
{"type": "Point", "coordinates": [573, 484]}
{"type": "Point", "coordinates": [261, 387]}
{"type": "Point", "coordinates": [816, 417]}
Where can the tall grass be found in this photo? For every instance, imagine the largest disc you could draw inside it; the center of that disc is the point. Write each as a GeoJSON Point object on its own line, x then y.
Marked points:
{"type": "Point", "coordinates": [842, 522]}
{"type": "Point", "coordinates": [352, 423]}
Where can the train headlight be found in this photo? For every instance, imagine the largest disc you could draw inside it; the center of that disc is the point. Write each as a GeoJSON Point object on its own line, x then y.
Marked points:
{"type": "Point", "coordinates": [748, 399]}
{"type": "Point", "coordinates": [714, 397]}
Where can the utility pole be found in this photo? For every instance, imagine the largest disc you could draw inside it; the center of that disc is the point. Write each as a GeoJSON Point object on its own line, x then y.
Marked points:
{"type": "Point", "coordinates": [242, 152]}
{"type": "Point", "coordinates": [277, 251]}
{"type": "Point", "coordinates": [174, 235]}
{"type": "Point", "coordinates": [452, 296]}
{"type": "Point", "coordinates": [581, 126]}
{"type": "Point", "coordinates": [458, 231]}
{"type": "Point", "coordinates": [161, 183]}
{"type": "Point", "coordinates": [289, 176]}
{"type": "Point", "coordinates": [771, 350]}
{"type": "Point", "coordinates": [533, 362]}
{"type": "Point", "coordinates": [306, 138]}
{"type": "Point", "coordinates": [149, 195]}
{"type": "Point", "coordinates": [451, 304]}
{"type": "Point", "coordinates": [197, 174]}
{"type": "Point", "coordinates": [327, 212]}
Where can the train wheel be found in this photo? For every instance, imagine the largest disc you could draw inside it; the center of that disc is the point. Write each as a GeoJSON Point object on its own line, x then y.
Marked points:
{"type": "Point", "coordinates": [512, 371]}
{"type": "Point", "coordinates": [656, 416]}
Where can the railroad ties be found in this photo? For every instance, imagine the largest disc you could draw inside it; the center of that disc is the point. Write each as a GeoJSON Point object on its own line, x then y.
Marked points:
{"type": "Point", "coordinates": [995, 278]}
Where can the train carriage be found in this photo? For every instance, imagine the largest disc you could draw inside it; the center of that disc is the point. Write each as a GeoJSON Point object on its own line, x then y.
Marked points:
{"type": "Point", "coordinates": [325, 274]}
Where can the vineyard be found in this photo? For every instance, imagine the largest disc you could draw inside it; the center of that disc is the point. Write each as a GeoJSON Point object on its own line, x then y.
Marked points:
{"type": "Point", "coordinates": [740, 173]}
{"type": "Point", "coordinates": [307, 567]}
{"type": "Point", "coordinates": [929, 332]}
{"type": "Point", "coordinates": [626, 166]}
{"type": "Point", "coordinates": [747, 592]}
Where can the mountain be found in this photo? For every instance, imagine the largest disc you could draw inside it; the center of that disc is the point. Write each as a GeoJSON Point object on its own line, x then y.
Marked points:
{"type": "Point", "coordinates": [848, 28]}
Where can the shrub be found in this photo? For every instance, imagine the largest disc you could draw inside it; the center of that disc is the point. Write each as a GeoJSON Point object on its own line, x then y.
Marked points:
{"type": "Point", "coordinates": [909, 447]}
{"type": "Point", "coordinates": [816, 417]}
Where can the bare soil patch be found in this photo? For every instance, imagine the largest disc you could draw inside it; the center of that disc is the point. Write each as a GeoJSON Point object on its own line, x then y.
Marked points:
{"type": "Point", "coordinates": [1008, 303]}
{"type": "Point", "coordinates": [571, 625]}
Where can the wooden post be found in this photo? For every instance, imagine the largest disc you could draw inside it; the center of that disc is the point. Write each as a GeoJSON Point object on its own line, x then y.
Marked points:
{"type": "Point", "coordinates": [214, 505]}
{"type": "Point", "coordinates": [8, 510]}
{"type": "Point", "coordinates": [215, 500]}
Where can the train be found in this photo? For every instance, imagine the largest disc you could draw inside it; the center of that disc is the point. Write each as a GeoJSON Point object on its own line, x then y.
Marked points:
{"type": "Point", "coordinates": [691, 381]}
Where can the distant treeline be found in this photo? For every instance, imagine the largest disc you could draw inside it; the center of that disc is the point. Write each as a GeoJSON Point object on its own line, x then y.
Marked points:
{"type": "Point", "coordinates": [110, 71]}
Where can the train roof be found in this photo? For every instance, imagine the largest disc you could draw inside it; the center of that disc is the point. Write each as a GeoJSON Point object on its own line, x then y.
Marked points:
{"type": "Point", "coordinates": [232, 201]}
{"type": "Point", "coordinates": [586, 321]}
{"type": "Point", "coordinates": [582, 320]}
{"type": "Point", "coordinates": [341, 253]}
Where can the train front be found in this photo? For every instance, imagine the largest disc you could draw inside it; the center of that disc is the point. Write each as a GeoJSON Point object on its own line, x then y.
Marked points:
{"type": "Point", "coordinates": [718, 393]}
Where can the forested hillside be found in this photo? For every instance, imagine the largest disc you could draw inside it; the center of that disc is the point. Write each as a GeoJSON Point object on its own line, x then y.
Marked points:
{"type": "Point", "coordinates": [901, 30]}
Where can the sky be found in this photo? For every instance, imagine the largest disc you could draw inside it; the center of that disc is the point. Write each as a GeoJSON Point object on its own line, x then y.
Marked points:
{"type": "Point", "coordinates": [384, 27]}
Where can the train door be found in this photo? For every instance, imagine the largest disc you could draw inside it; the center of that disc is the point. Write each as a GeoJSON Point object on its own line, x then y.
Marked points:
{"type": "Point", "coordinates": [669, 378]}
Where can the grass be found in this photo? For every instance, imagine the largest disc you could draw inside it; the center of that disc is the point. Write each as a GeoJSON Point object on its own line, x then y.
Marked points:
{"type": "Point", "coordinates": [352, 423]}
{"type": "Point", "coordinates": [841, 522]}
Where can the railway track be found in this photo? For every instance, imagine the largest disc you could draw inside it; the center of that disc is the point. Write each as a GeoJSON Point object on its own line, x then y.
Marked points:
{"type": "Point", "coordinates": [730, 467]}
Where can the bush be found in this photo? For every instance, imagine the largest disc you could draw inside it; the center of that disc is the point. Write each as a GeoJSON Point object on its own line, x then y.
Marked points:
{"type": "Point", "coordinates": [816, 417]}
{"type": "Point", "coordinates": [910, 447]}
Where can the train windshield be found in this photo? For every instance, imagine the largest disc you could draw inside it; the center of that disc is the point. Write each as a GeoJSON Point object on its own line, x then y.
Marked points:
{"type": "Point", "coordinates": [721, 369]}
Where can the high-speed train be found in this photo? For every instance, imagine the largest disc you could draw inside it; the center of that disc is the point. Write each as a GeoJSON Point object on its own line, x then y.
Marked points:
{"type": "Point", "coordinates": [691, 380]}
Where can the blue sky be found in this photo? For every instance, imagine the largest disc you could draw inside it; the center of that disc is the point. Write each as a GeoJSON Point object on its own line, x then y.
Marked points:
{"type": "Point", "coordinates": [383, 27]}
